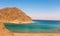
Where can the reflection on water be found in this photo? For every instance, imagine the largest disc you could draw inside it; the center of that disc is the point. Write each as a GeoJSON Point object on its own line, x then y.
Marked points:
{"type": "Point", "coordinates": [38, 26]}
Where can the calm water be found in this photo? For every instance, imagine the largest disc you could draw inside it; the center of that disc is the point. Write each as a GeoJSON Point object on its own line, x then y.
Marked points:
{"type": "Point", "coordinates": [43, 26]}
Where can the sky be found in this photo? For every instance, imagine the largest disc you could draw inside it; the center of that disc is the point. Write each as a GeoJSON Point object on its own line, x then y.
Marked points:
{"type": "Point", "coordinates": [36, 9]}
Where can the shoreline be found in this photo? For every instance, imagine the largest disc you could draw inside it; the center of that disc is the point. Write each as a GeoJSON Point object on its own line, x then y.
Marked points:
{"type": "Point", "coordinates": [20, 22]}
{"type": "Point", "coordinates": [36, 34]}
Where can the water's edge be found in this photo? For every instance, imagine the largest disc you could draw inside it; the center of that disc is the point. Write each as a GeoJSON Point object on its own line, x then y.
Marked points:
{"type": "Point", "coordinates": [37, 27]}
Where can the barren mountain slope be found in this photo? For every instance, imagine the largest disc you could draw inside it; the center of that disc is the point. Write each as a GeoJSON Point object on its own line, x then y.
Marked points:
{"type": "Point", "coordinates": [14, 15]}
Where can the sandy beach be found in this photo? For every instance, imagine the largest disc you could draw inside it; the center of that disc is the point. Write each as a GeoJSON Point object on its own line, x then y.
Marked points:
{"type": "Point", "coordinates": [36, 34]}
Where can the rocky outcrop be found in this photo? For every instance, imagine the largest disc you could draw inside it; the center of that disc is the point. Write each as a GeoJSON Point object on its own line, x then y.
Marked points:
{"type": "Point", "coordinates": [14, 15]}
{"type": "Point", "coordinates": [11, 15]}
{"type": "Point", "coordinates": [4, 31]}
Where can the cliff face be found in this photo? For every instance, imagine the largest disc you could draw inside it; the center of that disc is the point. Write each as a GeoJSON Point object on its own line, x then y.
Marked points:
{"type": "Point", "coordinates": [4, 31]}
{"type": "Point", "coordinates": [13, 15]}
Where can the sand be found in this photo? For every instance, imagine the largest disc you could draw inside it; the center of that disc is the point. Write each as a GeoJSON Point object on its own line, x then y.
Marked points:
{"type": "Point", "coordinates": [36, 34]}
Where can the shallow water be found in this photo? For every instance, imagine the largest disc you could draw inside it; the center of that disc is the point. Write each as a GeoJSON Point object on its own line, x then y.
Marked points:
{"type": "Point", "coordinates": [43, 26]}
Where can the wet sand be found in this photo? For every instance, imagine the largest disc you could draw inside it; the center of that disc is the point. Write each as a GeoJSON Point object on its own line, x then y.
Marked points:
{"type": "Point", "coordinates": [36, 34]}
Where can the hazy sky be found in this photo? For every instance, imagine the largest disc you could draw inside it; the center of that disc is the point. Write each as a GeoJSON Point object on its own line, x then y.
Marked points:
{"type": "Point", "coordinates": [37, 9]}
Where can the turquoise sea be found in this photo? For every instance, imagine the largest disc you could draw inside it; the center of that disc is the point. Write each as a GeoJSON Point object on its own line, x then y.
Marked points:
{"type": "Point", "coordinates": [38, 26]}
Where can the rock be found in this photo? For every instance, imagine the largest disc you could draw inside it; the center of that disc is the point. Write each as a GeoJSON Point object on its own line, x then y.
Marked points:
{"type": "Point", "coordinates": [4, 31]}
{"type": "Point", "coordinates": [14, 15]}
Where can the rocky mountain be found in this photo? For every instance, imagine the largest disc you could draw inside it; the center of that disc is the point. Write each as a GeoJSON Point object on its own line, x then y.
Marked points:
{"type": "Point", "coordinates": [14, 15]}
{"type": "Point", "coordinates": [11, 15]}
